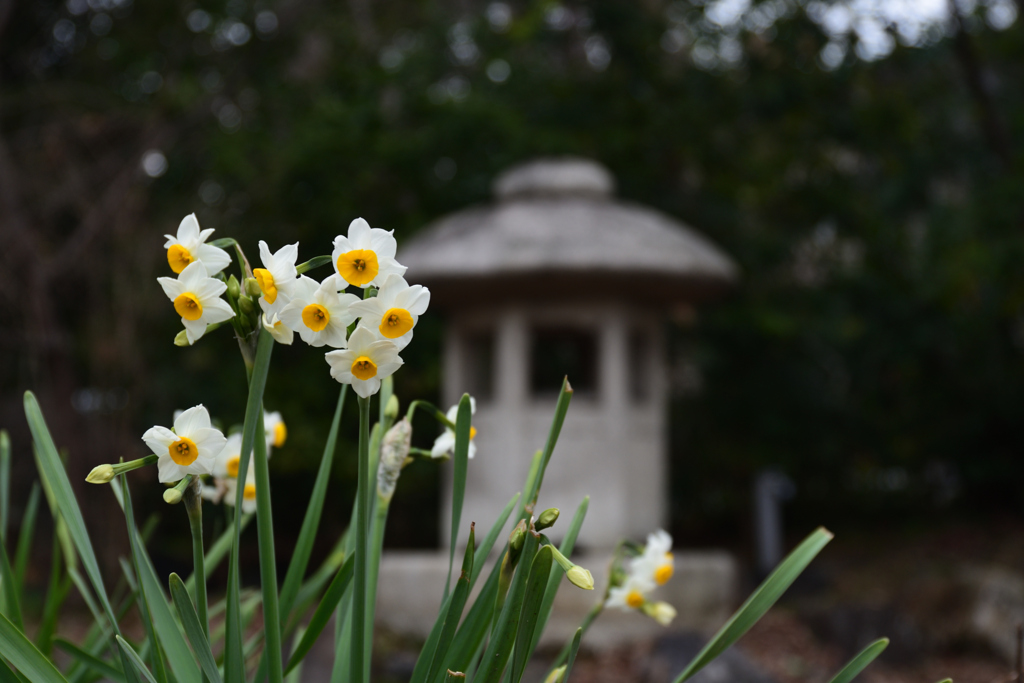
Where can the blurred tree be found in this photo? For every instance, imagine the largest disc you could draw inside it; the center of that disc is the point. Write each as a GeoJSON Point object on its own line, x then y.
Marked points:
{"type": "Point", "coordinates": [864, 170]}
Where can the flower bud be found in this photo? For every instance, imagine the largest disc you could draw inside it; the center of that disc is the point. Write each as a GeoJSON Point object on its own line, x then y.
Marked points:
{"type": "Point", "coordinates": [172, 496]}
{"type": "Point", "coordinates": [181, 339]}
{"type": "Point", "coordinates": [233, 287]}
{"type": "Point", "coordinates": [580, 577]}
{"type": "Point", "coordinates": [391, 409]}
{"type": "Point", "coordinates": [661, 612]}
{"type": "Point", "coordinates": [547, 519]}
{"type": "Point", "coordinates": [245, 305]}
{"type": "Point", "coordinates": [101, 474]}
{"type": "Point", "coordinates": [556, 676]}
{"type": "Point", "coordinates": [518, 535]}
{"type": "Point", "coordinates": [252, 288]}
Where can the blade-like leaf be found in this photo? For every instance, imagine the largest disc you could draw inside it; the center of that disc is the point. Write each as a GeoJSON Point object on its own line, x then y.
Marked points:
{"type": "Point", "coordinates": [561, 408]}
{"type": "Point", "coordinates": [573, 649]}
{"type": "Point", "coordinates": [463, 424]}
{"type": "Point", "coordinates": [89, 660]}
{"type": "Point", "coordinates": [323, 613]}
{"type": "Point", "coordinates": [5, 480]}
{"type": "Point", "coordinates": [860, 662]}
{"type": "Point", "coordinates": [10, 591]}
{"type": "Point", "coordinates": [134, 660]}
{"type": "Point", "coordinates": [56, 592]}
{"type": "Point", "coordinates": [529, 614]}
{"type": "Point", "coordinates": [455, 607]}
{"type": "Point", "coordinates": [466, 647]}
{"type": "Point", "coordinates": [233, 657]}
{"type": "Point", "coordinates": [51, 469]}
{"type": "Point", "coordinates": [423, 662]}
{"type": "Point", "coordinates": [23, 655]}
{"type": "Point", "coordinates": [503, 636]}
{"type": "Point", "coordinates": [193, 629]}
{"type": "Point", "coordinates": [25, 535]}
{"type": "Point", "coordinates": [307, 533]}
{"type": "Point", "coordinates": [178, 655]}
{"type": "Point", "coordinates": [760, 601]}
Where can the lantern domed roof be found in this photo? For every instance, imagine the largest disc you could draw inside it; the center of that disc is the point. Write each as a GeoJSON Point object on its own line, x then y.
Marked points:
{"type": "Point", "coordinates": [556, 221]}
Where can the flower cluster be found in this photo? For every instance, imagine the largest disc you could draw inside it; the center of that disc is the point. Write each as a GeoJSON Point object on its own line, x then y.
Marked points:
{"type": "Point", "coordinates": [653, 567]}
{"type": "Point", "coordinates": [321, 313]}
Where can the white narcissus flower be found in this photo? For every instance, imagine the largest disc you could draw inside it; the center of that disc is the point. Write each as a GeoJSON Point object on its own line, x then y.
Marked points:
{"type": "Point", "coordinates": [365, 362]}
{"type": "Point", "coordinates": [366, 256]}
{"type": "Point", "coordinates": [656, 561]}
{"type": "Point", "coordinates": [445, 444]}
{"type": "Point", "coordinates": [227, 462]}
{"type": "Point", "coordinates": [196, 298]}
{"type": "Point", "coordinates": [248, 494]}
{"type": "Point", "coordinates": [274, 430]}
{"type": "Point", "coordinates": [277, 278]}
{"type": "Point", "coordinates": [319, 313]}
{"type": "Point", "coordinates": [189, 246]}
{"type": "Point", "coordinates": [281, 333]}
{"type": "Point", "coordinates": [190, 449]}
{"type": "Point", "coordinates": [632, 594]}
{"type": "Point", "coordinates": [394, 311]}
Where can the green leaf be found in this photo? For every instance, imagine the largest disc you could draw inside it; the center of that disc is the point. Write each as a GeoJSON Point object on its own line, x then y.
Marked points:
{"type": "Point", "coordinates": [273, 646]}
{"type": "Point", "coordinates": [25, 535]}
{"type": "Point", "coordinates": [193, 629]}
{"type": "Point", "coordinates": [463, 424]}
{"type": "Point", "coordinates": [860, 662]}
{"type": "Point", "coordinates": [529, 615]}
{"type": "Point", "coordinates": [312, 263]}
{"type": "Point", "coordinates": [9, 590]}
{"type": "Point", "coordinates": [133, 658]}
{"type": "Point", "coordinates": [568, 544]}
{"type": "Point", "coordinates": [23, 655]}
{"type": "Point", "coordinates": [89, 660]}
{"type": "Point", "coordinates": [466, 645]}
{"type": "Point", "coordinates": [760, 601]}
{"type": "Point", "coordinates": [357, 652]}
{"type": "Point", "coordinates": [323, 612]}
{"type": "Point", "coordinates": [561, 408]}
{"type": "Point", "coordinates": [503, 635]}
{"type": "Point", "coordinates": [455, 607]}
{"type": "Point", "coordinates": [56, 593]}
{"type": "Point", "coordinates": [423, 661]}
{"type": "Point", "coordinates": [310, 523]}
{"type": "Point", "coordinates": [233, 657]}
{"type": "Point", "coordinates": [178, 655]}
{"type": "Point", "coordinates": [5, 480]}
{"type": "Point", "coordinates": [51, 469]}
{"type": "Point", "coordinates": [573, 649]}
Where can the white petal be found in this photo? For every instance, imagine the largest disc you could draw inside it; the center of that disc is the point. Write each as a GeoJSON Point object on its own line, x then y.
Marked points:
{"type": "Point", "coordinates": [169, 471]}
{"type": "Point", "coordinates": [159, 439]}
{"type": "Point", "coordinates": [191, 421]}
{"type": "Point", "coordinates": [383, 243]}
{"type": "Point", "coordinates": [415, 299]}
{"type": "Point", "coordinates": [217, 311]}
{"type": "Point", "coordinates": [366, 387]}
{"type": "Point", "coordinates": [209, 441]}
{"type": "Point", "coordinates": [341, 365]}
{"type": "Point", "coordinates": [209, 288]}
{"type": "Point", "coordinates": [360, 340]}
{"type": "Point", "coordinates": [171, 286]}
{"type": "Point", "coordinates": [214, 258]}
{"type": "Point", "coordinates": [194, 329]}
{"type": "Point", "coordinates": [443, 444]}
{"type": "Point", "coordinates": [472, 450]}
{"type": "Point", "coordinates": [359, 234]}
{"type": "Point", "coordinates": [388, 369]}
{"type": "Point", "coordinates": [368, 308]}
{"type": "Point", "coordinates": [188, 231]}
{"type": "Point", "coordinates": [192, 277]}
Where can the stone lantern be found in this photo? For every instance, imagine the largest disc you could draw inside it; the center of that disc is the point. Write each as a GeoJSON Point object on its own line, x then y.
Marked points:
{"type": "Point", "coordinates": [557, 278]}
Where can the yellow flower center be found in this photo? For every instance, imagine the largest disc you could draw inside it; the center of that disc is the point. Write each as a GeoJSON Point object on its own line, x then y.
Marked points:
{"type": "Point", "coordinates": [396, 322]}
{"type": "Point", "coordinates": [358, 266]}
{"type": "Point", "coordinates": [635, 599]}
{"type": "Point", "coordinates": [232, 466]}
{"type": "Point", "coordinates": [663, 573]}
{"type": "Point", "coordinates": [178, 257]}
{"type": "Point", "coordinates": [183, 451]}
{"type": "Point", "coordinates": [280, 434]}
{"type": "Point", "coordinates": [315, 317]}
{"type": "Point", "coordinates": [249, 492]}
{"type": "Point", "coordinates": [364, 368]}
{"type": "Point", "coordinates": [472, 433]}
{"type": "Point", "coordinates": [266, 283]}
{"type": "Point", "coordinates": [188, 307]}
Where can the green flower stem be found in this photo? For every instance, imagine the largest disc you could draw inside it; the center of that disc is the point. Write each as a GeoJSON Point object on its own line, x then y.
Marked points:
{"type": "Point", "coordinates": [312, 263]}
{"type": "Point", "coordinates": [357, 652]}
{"type": "Point", "coordinates": [432, 409]}
{"type": "Point", "coordinates": [268, 560]}
{"type": "Point", "coordinates": [194, 508]}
